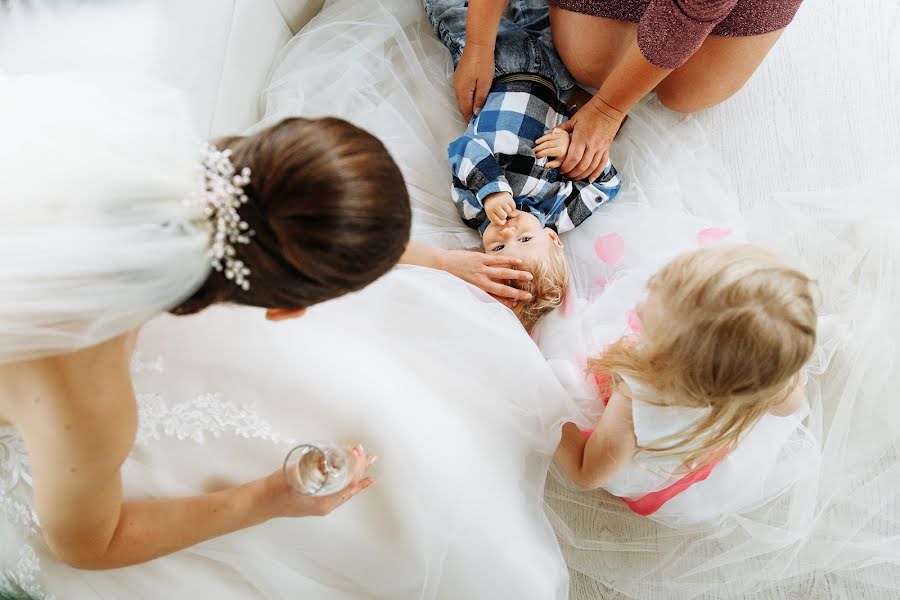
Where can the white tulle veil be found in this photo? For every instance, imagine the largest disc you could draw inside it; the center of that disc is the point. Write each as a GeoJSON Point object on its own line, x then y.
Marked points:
{"type": "Point", "coordinates": [95, 233]}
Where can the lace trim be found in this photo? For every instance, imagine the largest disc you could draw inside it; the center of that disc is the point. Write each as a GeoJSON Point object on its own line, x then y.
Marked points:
{"type": "Point", "coordinates": [205, 415]}
{"type": "Point", "coordinates": [15, 478]}
{"type": "Point", "coordinates": [197, 419]}
{"type": "Point", "coordinates": [23, 577]}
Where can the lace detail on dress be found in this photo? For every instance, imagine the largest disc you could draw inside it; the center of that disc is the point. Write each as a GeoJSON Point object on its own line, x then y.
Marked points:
{"type": "Point", "coordinates": [139, 365]}
{"type": "Point", "coordinates": [15, 480]}
{"type": "Point", "coordinates": [205, 414]}
{"type": "Point", "coordinates": [23, 577]}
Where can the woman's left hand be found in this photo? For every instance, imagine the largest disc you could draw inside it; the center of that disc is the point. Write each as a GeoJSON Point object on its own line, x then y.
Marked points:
{"type": "Point", "coordinates": [593, 128]}
{"type": "Point", "coordinates": [493, 274]}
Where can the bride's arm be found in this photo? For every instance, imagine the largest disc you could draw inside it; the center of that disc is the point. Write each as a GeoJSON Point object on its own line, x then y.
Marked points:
{"type": "Point", "coordinates": [79, 432]}
{"type": "Point", "coordinates": [490, 273]}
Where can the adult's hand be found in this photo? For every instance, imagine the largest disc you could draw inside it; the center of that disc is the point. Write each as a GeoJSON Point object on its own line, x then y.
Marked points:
{"type": "Point", "coordinates": [473, 78]}
{"type": "Point", "coordinates": [593, 128]}
{"type": "Point", "coordinates": [493, 274]}
{"type": "Point", "coordinates": [284, 502]}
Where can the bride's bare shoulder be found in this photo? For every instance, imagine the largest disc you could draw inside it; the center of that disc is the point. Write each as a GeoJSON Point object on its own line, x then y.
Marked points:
{"type": "Point", "coordinates": [74, 389]}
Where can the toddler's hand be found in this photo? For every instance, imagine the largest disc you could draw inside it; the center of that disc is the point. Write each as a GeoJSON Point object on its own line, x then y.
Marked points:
{"type": "Point", "coordinates": [554, 143]}
{"type": "Point", "coordinates": [499, 206]}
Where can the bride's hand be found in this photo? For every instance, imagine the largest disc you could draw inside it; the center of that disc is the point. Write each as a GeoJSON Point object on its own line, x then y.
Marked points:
{"type": "Point", "coordinates": [493, 274]}
{"type": "Point", "coordinates": [282, 501]}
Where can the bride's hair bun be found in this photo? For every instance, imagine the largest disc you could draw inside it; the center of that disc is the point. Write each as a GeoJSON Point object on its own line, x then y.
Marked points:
{"type": "Point", "coordinates": [329, 211]}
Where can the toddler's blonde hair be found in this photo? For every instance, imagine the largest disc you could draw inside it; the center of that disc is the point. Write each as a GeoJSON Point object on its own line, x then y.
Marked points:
{"type": "Point", "coordinates": [547, 288]}
{"type": "Point", "coordinates": [739, 326]}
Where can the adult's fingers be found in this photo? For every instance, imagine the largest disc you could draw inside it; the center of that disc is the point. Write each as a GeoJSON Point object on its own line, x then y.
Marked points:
{"type": "Point", "coordinates": [599, 167]}
{"type": "Point", "coordinates": [583, 168]}
{"type": "Point", "coordinates": [506, 291]}
{"type": "Point", "coordinates": [507, 302]}
{"type": "Point", "coordinates": [482, 88]}
{"type": "Point", "coordinates": [498, 274]}
{"type": "Point", "coordinates": [498, 260]}
{"type": "Point", "coordinates": [464, 99]}
{"type": "Point", "coordinates": [573, 157]}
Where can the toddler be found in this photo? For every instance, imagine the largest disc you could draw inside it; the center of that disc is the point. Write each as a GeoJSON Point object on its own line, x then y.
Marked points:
{"type": "Point", "coordinates": [506, 179]}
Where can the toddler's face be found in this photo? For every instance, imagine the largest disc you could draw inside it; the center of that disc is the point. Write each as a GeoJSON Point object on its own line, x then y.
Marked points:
{"type": "Point", "coordinates": [521, 237]}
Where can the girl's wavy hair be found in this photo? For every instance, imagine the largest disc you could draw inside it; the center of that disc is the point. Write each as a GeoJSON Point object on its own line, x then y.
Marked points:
{"type": "Point", "coordinates": [737, 327]}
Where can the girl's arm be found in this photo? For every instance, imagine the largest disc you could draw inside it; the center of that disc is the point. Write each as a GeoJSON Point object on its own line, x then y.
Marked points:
{"type": "Point", "coordinates": [591, 462]}
{"type": "Point", "coordinates": [79, 426]}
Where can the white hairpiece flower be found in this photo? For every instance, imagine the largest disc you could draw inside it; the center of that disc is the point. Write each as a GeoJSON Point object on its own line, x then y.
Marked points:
{"type": "Point", "coordinates": [221, 196]}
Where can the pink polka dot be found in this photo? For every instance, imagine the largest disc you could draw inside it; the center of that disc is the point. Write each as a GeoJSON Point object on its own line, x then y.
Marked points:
{"type": "Point", "coordinates": [634, 321]}
{"type": "Point", "coordinates": [600, 285]}
{"type": "Point", "coordinates": [609, 248]}
{"type": "Point", "coordinates": [711, 235]}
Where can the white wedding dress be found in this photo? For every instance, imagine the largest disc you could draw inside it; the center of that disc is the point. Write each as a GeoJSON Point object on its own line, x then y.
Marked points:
{"type": "Point", "coordinates": [461, 406]}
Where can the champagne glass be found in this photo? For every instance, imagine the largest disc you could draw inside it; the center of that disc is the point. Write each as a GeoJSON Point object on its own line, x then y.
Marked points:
{"type": "Point", "coordinates": [318, 468]}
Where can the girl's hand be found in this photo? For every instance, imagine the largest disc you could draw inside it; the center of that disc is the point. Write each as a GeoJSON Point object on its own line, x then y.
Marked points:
{"type": "Point", "coordinates": [499, 206]}
{"type": "Point", "coordinates": [473, 78]}
{"type": "Point", "coordinates": [593, 129]}
{"type": "Point", "coordinates": [493, 274]}
{"type": "Point", "coordinates": [554, 143]}
{"type": "Point", "coordinates": [281, 501]}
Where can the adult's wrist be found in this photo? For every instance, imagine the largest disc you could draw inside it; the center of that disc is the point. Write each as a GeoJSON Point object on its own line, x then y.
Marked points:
{"type": "Point", "coordinates": [267, 496]}
{"type": "Point", "coordinates": [480, 48]}
{"type": "Point", "coordinates": [606, 109]}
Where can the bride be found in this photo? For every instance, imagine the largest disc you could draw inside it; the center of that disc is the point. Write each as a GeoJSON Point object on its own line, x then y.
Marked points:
{"type": "Point", "coordinates": [98, 240]}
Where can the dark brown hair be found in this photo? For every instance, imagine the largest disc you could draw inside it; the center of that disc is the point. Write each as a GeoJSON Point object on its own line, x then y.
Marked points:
{"type": "Point", "coordinates": [329, 211]}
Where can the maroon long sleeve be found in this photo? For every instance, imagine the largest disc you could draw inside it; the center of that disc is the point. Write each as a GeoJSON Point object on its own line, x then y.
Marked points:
{"type": "Point", "coordinates": [670, 31]}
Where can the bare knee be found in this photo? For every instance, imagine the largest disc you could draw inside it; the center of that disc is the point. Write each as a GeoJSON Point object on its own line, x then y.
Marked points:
{"type": "Point", "coordinates": [687, 100]}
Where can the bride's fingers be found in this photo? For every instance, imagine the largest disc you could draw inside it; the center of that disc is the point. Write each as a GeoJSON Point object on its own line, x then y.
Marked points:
{"type": "Point", "coordinates": [501, 261]}
{"type": "Point", "coordinates": [505, 291]}
{"type": "Point", "coordinates": [498, 274]}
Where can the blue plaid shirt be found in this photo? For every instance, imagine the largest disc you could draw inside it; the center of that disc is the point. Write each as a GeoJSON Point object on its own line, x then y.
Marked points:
{"type": "Point", "coordinates": [496, 154]}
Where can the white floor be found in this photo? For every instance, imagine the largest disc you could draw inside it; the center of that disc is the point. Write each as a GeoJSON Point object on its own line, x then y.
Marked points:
{"type": "Point", "coordinates": [823, 111]}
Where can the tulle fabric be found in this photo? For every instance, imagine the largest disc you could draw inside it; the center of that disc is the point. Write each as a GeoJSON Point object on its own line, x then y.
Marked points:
{"type": "Point", "coordinates": [95, 233]}
{"type": "Point", "coordinates": [463, 409]}
{"type": "Point", "coordinates": [826, 528]}
{"type": "Point", "coordinates": [829, 524]}
{"type": "Point", "coordinates": [408, 367]}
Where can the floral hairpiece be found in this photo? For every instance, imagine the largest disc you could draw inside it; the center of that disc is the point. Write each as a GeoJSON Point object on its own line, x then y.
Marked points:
{"type": "Point", "coordinates": [221, 196]}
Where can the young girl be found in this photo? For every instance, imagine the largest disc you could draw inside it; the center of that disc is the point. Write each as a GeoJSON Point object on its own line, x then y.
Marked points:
{"type": "Point", "coordinates": [700, 406]}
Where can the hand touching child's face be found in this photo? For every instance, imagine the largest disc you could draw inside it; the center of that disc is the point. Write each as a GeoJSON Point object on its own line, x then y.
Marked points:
{"type": "Point", "coordinates": [522, 236]}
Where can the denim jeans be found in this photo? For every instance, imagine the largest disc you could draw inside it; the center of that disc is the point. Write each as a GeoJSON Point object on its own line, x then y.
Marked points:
{"type": "Point", "coordinates": [523, 39]}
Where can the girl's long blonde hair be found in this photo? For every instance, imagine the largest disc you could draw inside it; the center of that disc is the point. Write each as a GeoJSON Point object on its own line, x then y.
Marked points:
{"type": "Point", "coordinates": [738, 325]}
